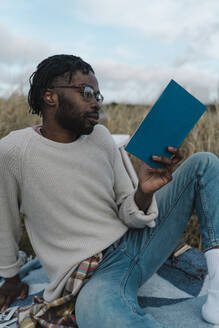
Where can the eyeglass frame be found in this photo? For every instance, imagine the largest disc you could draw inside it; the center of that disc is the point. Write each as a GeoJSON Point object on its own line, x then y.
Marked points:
{"type": "Point", "coordinates": [82, 87]}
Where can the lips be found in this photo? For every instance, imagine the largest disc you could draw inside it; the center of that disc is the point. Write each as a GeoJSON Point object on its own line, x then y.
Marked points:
{"type": "Point", "coordinates": [93, 118]}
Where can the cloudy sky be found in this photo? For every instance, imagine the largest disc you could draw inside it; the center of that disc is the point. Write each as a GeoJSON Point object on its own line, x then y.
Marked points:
{"type": "Point", "coordinates": [135, 47]}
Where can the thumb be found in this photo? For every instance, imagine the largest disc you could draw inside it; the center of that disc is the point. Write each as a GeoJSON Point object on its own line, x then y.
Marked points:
{"type": "Point", "coordinates": [24, 291]}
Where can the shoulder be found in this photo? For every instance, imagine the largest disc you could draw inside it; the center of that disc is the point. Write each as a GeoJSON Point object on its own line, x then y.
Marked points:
{"type": "Point", "coordinates": [101, 130]}
{"type": "Point", "coordinates": [12, 144]}
{"type": "Point", "coordinates": [102, 136]}
{"type": "Point", "coordinates": [103, 139]}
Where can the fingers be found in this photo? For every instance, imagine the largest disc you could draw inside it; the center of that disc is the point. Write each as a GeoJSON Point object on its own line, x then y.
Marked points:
{"type": "Point", "coordinates": [177, 154]}
{"type": "Point", "coordinates": [162, 159]}
{"type": "Point", "coordinates": [2, 301]}
{"type": "Point", "coordinates": [9, 293]}
{"type": "Point", "coordinates": [8, 301]}
{"type": "Point", "coordinates": [169, 162]}
{"type": "Point", "coordinates": [5, 302]}
{"type": "Point", "coordinates": [24, 291]}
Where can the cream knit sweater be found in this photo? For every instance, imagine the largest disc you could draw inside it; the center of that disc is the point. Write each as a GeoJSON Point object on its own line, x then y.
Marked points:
{"type": "Point", "coordinates": [77, 199]}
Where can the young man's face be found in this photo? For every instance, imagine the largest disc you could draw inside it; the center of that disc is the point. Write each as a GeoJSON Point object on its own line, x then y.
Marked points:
{"type": "Point", "coordinates": [76, 114]}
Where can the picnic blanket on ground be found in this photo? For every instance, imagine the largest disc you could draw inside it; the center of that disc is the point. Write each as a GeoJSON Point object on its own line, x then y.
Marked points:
{"type": "Point", "coordinates": [173, 296]}
{"type": "Point", "coordinates": [60, 312]}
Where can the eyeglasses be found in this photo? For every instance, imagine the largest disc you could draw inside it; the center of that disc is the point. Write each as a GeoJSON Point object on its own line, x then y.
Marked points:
{"type": "Point", "coordinates": [87, 92]}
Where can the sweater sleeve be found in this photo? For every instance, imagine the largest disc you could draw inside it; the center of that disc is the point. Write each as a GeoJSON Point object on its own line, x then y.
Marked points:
{"type": "Point", "coordinates": [129, 212]}
{"type": "Point", "coordinates": [10, 226]}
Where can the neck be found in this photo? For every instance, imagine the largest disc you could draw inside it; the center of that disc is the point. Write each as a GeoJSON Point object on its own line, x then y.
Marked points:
{"type": "Point", "coordinates": [55, 133]}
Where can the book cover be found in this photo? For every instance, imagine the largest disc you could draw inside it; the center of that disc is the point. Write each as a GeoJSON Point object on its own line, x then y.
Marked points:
{"type": "Point", "coordinates": [167, 124]}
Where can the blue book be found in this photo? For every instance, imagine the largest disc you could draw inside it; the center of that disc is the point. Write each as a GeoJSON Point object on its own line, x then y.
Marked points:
{"type": "Point", "coordinates": [167, 124]}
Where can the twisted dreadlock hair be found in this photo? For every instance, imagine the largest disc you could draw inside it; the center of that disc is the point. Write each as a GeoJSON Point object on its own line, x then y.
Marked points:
{"type": "Point", "coordinates": [47, 71]}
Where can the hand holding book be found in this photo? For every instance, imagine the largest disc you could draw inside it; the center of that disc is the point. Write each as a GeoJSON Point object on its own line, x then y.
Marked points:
{"type": "Point", "coordinates": [151, 179]}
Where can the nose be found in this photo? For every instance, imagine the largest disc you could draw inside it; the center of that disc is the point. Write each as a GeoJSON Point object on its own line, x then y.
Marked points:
{"type": "Point", "coordinates": [95, 104]}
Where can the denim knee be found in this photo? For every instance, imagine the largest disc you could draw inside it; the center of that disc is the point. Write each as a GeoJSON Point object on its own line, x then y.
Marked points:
{"type": "Point", "coordinates": [203, 156]}
{"type": "Point", "coordinates": [203, 160]}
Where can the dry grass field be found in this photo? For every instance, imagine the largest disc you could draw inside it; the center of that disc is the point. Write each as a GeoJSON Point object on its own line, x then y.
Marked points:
{"type": "Point", "coordinates": [122, 119]}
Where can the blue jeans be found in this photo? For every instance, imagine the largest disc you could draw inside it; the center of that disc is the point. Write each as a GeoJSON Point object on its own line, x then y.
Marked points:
{"type": "Point", "coordinates": [109, 298]}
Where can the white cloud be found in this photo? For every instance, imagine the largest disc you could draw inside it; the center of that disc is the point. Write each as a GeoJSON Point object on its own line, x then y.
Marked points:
{"type": "Point", "coordinates": [167, 18]}
{"type": "Point", "coordinates": [125, 83]}
{"type": "Point", "coordinates": [194, 22]}
{"type": "Point", "coordinates": [169, 24]}
{"type": "Point", "coordinates": [122, 82]}
{"type": "Point", "coordinates": [16, 49]}
{"type": "Point", "coordinates": [18, 56]}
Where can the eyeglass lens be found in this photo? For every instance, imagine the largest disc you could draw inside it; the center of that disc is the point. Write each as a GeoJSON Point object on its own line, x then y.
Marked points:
{"type": "Point", "coordinates": [89, 94]}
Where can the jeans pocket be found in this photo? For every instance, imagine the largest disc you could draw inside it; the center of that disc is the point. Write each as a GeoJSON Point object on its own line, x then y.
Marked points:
{"type": "Point", "coordinates": [192, 263]}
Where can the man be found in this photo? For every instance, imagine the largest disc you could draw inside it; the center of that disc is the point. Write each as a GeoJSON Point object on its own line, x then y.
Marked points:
{"type": "Point", "coordinates": [77, 199]}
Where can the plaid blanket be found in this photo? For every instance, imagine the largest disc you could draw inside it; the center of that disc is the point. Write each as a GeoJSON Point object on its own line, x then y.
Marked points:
{"type": "Point", "coordinates": [61, 311]}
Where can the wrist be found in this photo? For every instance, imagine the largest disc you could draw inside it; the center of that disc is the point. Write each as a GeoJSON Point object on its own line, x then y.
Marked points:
{"type": "Point", "coordinates": [143, 200]}
{"type": "Point", "coordinates": [13, 280]}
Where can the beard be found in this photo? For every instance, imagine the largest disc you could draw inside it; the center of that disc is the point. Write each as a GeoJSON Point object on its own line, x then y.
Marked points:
{"type": "Point", "coordinates": [68, 118]}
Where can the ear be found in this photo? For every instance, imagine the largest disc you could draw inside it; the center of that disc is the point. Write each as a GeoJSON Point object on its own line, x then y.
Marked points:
{"type": "Point", "coordinates": [50, 98]}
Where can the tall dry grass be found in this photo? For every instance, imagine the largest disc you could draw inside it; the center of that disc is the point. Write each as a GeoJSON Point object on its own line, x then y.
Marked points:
{"type": "Point", "coordinates": [122, 119]}
{"type": "Point", "coordinates": [14, 114]}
